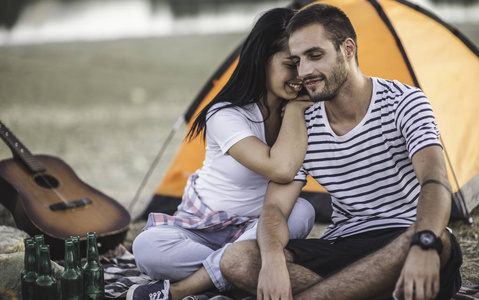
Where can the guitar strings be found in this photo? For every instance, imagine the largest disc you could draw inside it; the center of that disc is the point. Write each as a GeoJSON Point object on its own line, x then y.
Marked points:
{"type": "Point", "coordinates": [44, 178]}
{"type": "Point", "coordinates": [24, 151]}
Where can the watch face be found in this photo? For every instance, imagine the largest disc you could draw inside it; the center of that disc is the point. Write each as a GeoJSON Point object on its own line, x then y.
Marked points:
{"type": "Point", "coordinates": [426, 238]}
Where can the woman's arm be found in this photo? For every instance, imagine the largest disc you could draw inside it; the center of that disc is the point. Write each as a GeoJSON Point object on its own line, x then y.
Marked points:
{"type": "Point", "coordinates": [281, 162]}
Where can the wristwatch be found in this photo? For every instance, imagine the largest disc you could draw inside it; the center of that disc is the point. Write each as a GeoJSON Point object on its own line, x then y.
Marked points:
{"type": "Point", "coordinates": [426, 239]}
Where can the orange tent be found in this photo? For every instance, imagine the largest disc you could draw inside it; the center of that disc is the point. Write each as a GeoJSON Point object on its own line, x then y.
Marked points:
{"type": "Point", "coordinates": [396, 40]}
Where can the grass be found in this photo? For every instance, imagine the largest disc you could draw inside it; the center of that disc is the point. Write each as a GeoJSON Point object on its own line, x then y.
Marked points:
{"type": "Point", "coordinates": [105, 108]}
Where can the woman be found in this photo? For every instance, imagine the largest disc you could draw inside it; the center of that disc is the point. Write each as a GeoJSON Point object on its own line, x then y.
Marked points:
{"type": "Point", "coordinates": [248, 143]}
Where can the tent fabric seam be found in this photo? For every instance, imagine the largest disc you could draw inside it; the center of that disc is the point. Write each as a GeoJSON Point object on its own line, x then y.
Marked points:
{"type": "Point", "coordinates": [384, 17]}
{"type": "Point", "coordinates": [452, 29]}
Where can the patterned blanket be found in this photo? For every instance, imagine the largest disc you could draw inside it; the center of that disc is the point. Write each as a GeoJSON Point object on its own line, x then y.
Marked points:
{"type": "Point", "coordinates": [121, 273]}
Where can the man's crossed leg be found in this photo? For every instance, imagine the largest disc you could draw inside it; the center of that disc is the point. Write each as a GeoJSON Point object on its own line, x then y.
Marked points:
{"type": "Point", "coordinates": [366, 266]}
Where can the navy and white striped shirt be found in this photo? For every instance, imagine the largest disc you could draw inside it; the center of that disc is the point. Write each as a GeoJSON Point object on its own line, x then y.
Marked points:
{"type": "Point", "coordinates": [368, 171]}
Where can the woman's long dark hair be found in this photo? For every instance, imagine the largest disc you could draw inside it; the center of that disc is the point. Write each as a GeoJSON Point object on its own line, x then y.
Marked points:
{"type": "Point", "coordinates": [248, 83]}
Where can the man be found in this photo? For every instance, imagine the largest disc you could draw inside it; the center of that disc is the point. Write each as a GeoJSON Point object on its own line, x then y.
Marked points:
{"type": "Point", "coordinates": [373, 144]}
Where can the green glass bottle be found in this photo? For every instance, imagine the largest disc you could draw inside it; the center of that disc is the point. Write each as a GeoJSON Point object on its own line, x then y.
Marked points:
{"type": "Point", "coordinates": [40, 241]}
{"type": "Point", "coordinates": [25, 242]}
{"type": "Point", "coordinates": [45, 285]}
{"type": "Point", "coordinates": [71, 280]}
{"type": "Point", "coordinates": [93, 277]}
{"type": "Point", "coordinates": [29, 273]}
{"type": "Point", "coordinates": [76, 248]}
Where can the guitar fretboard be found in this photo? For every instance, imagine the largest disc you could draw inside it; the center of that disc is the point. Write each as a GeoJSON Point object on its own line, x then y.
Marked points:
{"type": "Point", "coordinates": [20, 151]}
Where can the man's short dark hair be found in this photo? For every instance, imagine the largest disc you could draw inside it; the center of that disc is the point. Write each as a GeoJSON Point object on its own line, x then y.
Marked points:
{"type": "Point", "coordinates": [335, 22]}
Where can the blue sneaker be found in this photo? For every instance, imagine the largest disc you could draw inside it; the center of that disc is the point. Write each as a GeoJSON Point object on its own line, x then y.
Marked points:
{"type": "Point", "coordinates": [155, 290]}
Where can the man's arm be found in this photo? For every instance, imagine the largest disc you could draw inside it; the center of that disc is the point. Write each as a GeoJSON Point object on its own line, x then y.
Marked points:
{"type": "Point", "coordinates": [434, 204]}
{"type": "Point", "coordinates": [420, 274]}
{"type": "Point", "coordinates": [272, 237]}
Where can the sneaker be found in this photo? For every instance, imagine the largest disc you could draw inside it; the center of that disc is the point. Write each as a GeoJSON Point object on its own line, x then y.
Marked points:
{"type": "Point", "coordinates": [155, 290]}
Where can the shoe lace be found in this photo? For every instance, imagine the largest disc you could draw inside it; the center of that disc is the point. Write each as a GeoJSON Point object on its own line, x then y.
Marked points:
{"type": "Point", "coordinates": [157, 295]}
{"type": "Point", "coordinates": [161, 294]}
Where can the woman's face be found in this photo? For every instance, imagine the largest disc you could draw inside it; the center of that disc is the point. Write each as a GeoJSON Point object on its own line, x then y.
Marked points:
{"type": "Point", "coordinates": [281, 77]}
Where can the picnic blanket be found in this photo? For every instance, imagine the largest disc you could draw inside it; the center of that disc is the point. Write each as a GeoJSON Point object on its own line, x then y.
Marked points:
{"type": "Point", "coordinates": [121, 273]}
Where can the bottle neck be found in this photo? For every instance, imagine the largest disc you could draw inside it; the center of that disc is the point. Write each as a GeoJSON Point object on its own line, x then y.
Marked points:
{"type": "Point", "coordinates": [30, 258]}
{"type": "Point", "coordinates": [39, 242]}
{"type": "Point", "coordinates": [45, 263]}
{"type": "Point", "coordinates": [76, 250]}
{"type": "Point", "coordinates": [69, 255]}
{"type": "Point", "coordinates": [92, 249]}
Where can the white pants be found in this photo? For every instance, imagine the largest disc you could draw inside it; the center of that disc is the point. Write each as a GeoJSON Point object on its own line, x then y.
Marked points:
{"type": "Point", "coordinates": [172, 252]}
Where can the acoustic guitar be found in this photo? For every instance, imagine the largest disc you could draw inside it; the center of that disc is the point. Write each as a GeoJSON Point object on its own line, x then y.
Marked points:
{"type": "Point", "coordinates": [45, 196]}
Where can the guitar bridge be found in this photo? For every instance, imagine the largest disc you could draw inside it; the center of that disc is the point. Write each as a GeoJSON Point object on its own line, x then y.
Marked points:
{"type": "Point", "coordinates": [70, 204]}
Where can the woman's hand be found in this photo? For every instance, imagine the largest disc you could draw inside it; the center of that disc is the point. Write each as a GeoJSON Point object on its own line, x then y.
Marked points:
{"type": "Point", "coordinates": [302, 102]}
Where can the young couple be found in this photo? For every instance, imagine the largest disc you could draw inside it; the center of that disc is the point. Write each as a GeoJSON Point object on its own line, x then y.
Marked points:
{"type": "Point", "coordinates": [372, 143]}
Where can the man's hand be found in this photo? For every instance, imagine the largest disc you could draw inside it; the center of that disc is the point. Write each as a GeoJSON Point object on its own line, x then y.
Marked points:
{"type": "Point", "coordinates": [274, 283]}
{"type": "Point", "coordinates": [273, 236]}
{"type": "Point", "coordinates": [419, 278]}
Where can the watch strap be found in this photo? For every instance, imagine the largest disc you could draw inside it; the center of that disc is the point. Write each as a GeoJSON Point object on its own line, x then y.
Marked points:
{"type": "Point", "coordinates": [435, 244]}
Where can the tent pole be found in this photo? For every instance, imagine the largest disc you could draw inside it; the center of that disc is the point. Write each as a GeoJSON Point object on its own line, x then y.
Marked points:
{"type": "Point", "coordinates": [459, 194]}
{"type": "Point", "coordinates": [160, 153]}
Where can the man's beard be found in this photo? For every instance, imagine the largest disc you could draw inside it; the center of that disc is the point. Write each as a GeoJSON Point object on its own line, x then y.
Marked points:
{"type": "Point", "coordinates": [332, 85]}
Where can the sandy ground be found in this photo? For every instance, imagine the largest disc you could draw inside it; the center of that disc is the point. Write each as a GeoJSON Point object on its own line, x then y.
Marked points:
{"type": "Point", "coordinates": [106, 109]}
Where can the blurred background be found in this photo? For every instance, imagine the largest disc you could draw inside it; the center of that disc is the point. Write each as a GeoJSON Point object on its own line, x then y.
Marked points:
{"type": "Point", "coordinates": [100, 83]}
{"type": "Point", "coordinates": [47, 21]}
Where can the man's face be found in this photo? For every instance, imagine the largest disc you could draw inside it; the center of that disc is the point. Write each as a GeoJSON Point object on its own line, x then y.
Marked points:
{"type": "Point", "coordinates": [321, 67]}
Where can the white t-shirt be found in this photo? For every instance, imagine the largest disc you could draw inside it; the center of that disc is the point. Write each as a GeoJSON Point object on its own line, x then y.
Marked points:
{"type": "Point", "coordinates": [223, 183]}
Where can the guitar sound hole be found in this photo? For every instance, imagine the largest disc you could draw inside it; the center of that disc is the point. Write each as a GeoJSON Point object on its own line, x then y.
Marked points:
{"type": "Point", "coordinates": [46, 181]}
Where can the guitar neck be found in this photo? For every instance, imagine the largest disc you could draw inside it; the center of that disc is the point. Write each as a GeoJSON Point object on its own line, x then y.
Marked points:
{"type": "Point", "coordinates": [19, 151]}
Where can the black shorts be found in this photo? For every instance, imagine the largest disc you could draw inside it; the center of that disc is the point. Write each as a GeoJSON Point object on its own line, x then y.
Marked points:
{"type": "Point", "coordinates": [326, 257]}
